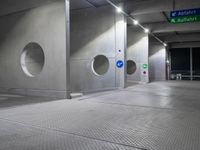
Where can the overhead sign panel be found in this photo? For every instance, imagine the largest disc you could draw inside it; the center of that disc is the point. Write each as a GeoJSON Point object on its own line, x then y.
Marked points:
{"type": "Point", "coordinates": [185, 12]}
{"type": "Point", "coordinates": [185, 16]}
{"type": "Point", "coordinates": [185, 19]}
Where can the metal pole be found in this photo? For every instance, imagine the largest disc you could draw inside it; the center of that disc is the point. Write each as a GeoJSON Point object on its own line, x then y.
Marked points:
{"type": "Point", "coordinates": [191, 65]}
{"type": "Point", "coordinates": [170, 66]}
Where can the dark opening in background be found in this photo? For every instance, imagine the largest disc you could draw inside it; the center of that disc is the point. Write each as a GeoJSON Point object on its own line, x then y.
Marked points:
{"type": "Point", "coordinates": [196, 63]}
{"type": "Point", "coordinates": [180, 63]}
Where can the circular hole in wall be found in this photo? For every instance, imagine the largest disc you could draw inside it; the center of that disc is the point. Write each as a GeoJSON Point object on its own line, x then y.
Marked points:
{"type": "Point", "coordinates": [100, 65]}
{"type": "Point", "coordinates": [32, 59]}
{"type": "Point", "coordinates": [131, 67]}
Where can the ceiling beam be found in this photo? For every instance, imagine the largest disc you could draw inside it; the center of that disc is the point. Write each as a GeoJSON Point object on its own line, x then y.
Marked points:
{"type": "Point", "coordinates": [189, 37]}
{"type": "Point", "coordinates": [91, 3]}
{"type": "Point", "coordinates": [164, 27]}
{"type": "Point", "coordinates": [185, 44]}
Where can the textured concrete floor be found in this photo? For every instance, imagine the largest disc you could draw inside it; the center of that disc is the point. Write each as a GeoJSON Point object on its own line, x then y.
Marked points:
{"type": "Point", "coordinates": [157, 116]}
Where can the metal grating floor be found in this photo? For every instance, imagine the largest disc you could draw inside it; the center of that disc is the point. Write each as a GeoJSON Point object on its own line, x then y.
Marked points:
{"type": "Point", "coordinates": [157, 116]}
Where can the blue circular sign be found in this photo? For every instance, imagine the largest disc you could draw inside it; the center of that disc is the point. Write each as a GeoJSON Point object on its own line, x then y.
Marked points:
{"type": "Point", "coordinates": [120, 64]}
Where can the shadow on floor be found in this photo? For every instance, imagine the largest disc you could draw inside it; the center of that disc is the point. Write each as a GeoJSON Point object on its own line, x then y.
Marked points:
{"type": "Point", "coordinates": [12, 100]}
{"type": "Point", "coordinates": [130, 84]}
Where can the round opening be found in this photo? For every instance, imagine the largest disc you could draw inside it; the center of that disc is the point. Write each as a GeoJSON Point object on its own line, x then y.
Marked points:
{"type": "Point", "coordinates": [32, 59]}
{"type": "Point", "coordinates": [131, 67]}
{"type": "Point", "coordinates": [100, 65]}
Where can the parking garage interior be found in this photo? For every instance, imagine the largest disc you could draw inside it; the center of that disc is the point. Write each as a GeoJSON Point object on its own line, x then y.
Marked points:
{"type": "Point", "coordinates": [99, 75]}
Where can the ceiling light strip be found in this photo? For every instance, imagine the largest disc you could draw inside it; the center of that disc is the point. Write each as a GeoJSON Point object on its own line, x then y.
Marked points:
{"type": "Point", "coordinates": [120, 10]}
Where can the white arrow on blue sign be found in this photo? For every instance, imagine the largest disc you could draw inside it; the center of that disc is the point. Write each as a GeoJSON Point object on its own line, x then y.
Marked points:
{"type": "Point", "coordinates": [185, 12]}
{"type": "Point", "coordinates": [120, 64]}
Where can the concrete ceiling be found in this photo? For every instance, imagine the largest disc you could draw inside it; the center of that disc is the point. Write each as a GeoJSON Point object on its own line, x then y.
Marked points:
{"type": "Point", "coordinates": [12, 6]}
{"type": "Point", "coordinates": [80, 4]}
{"type": "Point", "coordinates": [153, 14]}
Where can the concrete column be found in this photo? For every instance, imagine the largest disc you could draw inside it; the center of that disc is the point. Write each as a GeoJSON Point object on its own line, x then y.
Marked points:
{"type": "Point", "coordinates": [121, 46]}
{"type": "Point", "coordinates": [168, 63]}
{"type": "Point", "coordinates": [157, 62]}
{"type": "Point", "coordinates": [144, 59]}
{"type": "Point", "coordinates": [67, 14]}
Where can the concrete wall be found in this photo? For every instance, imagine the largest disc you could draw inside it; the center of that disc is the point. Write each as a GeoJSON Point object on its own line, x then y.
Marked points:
{"type": "Point", "coordinates": [138, 51]}
{"type": "Point", "coordinates": [157, 62]}
{"type": "Point", "coordinates": [46, 26]}
{"type": "Point", "coordinates": [96, 31]}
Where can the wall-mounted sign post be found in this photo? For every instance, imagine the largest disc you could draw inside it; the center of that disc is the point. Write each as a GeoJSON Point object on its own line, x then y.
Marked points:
{"type": "Point", "coordinates": [185, 16]}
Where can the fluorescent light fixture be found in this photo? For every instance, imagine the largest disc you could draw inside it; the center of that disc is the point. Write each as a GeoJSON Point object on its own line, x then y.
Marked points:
{"type": "Point", "coordinates": [146, 30]}
{"type": "Point", "coordinates": [135, 22]}
{"type": "Point", "coordinates": [119, 10]}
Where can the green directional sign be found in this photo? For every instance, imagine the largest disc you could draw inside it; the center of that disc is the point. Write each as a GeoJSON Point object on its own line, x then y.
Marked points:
{"type": "Point", "coordinates": [145, 66]}
{"type": "Point", "coordinates": [185, 19]}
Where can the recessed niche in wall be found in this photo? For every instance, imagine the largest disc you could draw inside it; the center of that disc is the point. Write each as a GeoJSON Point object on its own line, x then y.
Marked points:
{"type": "Point", "coordinates": [100, 65]}
{"type": "Point", "coordinates": [32, 59]}
{"type": "Point", "coordinates": [131, 67]}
